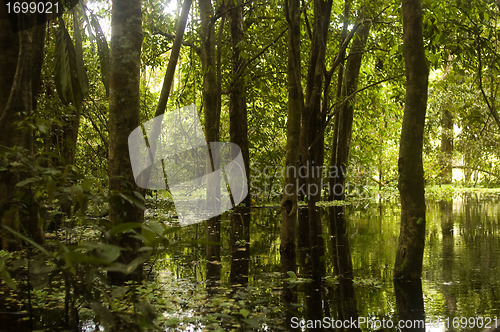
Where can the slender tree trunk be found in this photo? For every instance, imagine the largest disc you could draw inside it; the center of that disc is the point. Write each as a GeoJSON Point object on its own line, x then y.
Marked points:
{"type": "Point", "coordinates": [238, 129]}
{"type": "Point", "coordinates": [211, 107]}
{"type": "Point", "coordinates": [340, 80]}
{"type": "Point", "coordinates": [174, 56]}
{"type": "Point", "coordinates": [411, 174]}
{"type": "Point", "coordinates": [125, 58]}
{"type": "Point", "coordinates": [446, 147]}
{"type": "Point", "coordinates": [342, 140]}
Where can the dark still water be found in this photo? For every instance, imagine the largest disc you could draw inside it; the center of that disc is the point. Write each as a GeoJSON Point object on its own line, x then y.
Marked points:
{"type": "Point", "coordinates": [460, 288]}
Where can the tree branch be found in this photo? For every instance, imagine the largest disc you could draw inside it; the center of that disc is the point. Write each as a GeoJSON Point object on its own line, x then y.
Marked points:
{"type": "Point", "coordinates": [491, 108]}
{"type": "Point", "coordinates": [258, 54]}
{"type": "Point", "coordinates": [171, 36]}
{"type": "Point", "coordinates": [477, 169]}
{"type": "Point", "coordinates": [343, 47]}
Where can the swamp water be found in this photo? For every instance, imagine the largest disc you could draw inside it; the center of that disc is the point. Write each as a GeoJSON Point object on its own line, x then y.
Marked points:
{"type": "Point", "coordinates": [460, 273]}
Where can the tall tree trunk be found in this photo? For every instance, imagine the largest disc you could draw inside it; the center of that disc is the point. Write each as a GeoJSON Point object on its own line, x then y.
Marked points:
{"type": "Point", "coordinates": [21, 64]}
{"type": "Point", "coordinates": [211, 107]}
{"type": "Point", "coordinates": [340, 80]}
{"type": "Point", "coordinates": [411, 244]}
{"type": "Point", "coordinates": [312, 134]}
{"type": "Point", "coordinates": [125, 58]}
{"type": "Point", "coordinates": [446, 147]}
{"type": "Point", "coordinates": [340, 159]}
{"type": "Point", "coordinates": [295, 107]}
{"type": "Point", "coordinates": [238, 130]}
{"type": "Point", "coordinates": [8, 63]}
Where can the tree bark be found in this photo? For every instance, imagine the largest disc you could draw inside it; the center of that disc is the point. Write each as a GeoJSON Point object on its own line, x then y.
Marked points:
{"type": "Point", "coordinates": [410, 250]}
{"type": "Point", "coordinates": [295, 107]}
{"type": "Point", "coordinates": [289, 200]}
{"type": "Point", "coordinates": [312, 134]}
{"type": "Point", "coordinates": [125, 58]}
{"type": "Point", "coordinates": [211, 107]}
{"type": "Point", "coordinates": [238, 130]}
{"type": "Point", "coordinates": [340, 80]}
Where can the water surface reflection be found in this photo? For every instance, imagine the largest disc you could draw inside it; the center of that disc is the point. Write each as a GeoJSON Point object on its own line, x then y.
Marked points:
{"type": "Point", "coordinates": [460, 270]}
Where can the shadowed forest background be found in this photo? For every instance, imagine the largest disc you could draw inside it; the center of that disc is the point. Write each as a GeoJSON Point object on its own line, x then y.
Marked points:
{"type": "Point", "coordinates": [370, 135]}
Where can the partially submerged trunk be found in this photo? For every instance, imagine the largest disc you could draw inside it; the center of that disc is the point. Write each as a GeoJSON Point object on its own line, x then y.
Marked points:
{"type": "Point", "coordinates": [295, 107]}
{"type": "Point", "coordinates": [238, 130]}
{"type": "Point", "coordinates": [289, 201]}
{"type": "Point", "coordinates": [410, 250]}
{"type": "Point", "coordinates": [211, 108]}
{"type": "Point", "coordinates": [124, 106]}
{"type": "Point", "coordinates": [312, 135]}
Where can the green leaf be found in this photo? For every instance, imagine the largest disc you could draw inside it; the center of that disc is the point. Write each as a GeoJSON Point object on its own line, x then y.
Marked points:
{"type": "Point", "coordinates": [80, 67]}
{"type": "Point", "coordinates": [67, 80]}
{"type": "Point", "coordinates": [105, 316]}
{"type": "Point", "coordinates": [30, 241]}
{"type": "Point", "coordinates": [103, 50]}
{"type": "Point", "coordinates": [123, 228]}
{"type": "Point", "coordinates": [133, 199]}
{"type": "Point", "coordinates": [128, 268]}
{"type": "Point", "coordinates": [5, 275]}
{"type": "Point", "coordinates": [244, 312]}
{"type": "Point", "coordinates": [119, 292]}
{"type": "Point", "coordinates": [25, 182]}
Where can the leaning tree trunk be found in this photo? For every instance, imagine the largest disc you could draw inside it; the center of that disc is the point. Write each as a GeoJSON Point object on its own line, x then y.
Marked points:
{"type": "Point", "coordinates": [411, 244]}
{"type": "Point", "coordinates": [174, 56]}
{"type": "Point", "coordinates": [125, 59]}
{"type": "Point", "coordinates": [342, 143]}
